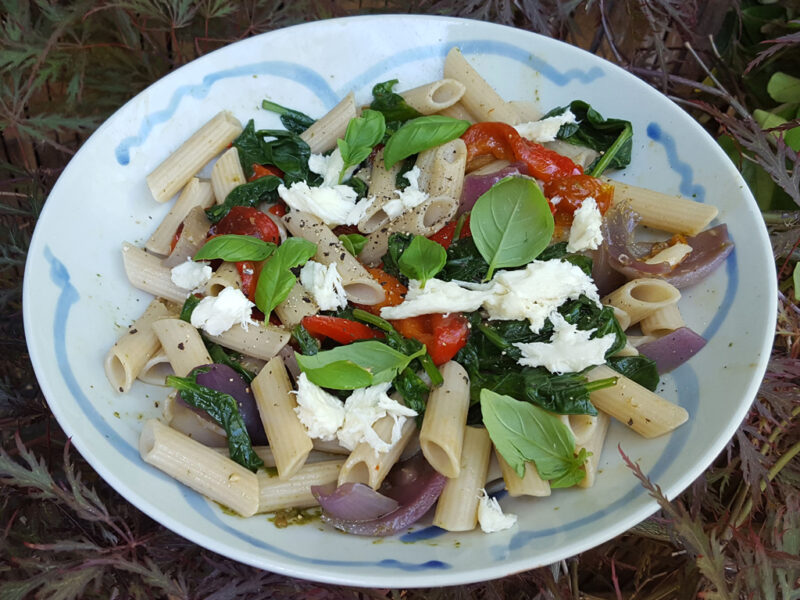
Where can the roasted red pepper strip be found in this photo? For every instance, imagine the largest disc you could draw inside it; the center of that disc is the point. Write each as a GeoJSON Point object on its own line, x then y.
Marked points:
{"type": "Point", "coordinates": [395, 291]}
{"type": "Point", "coordinates": [443, 335]}
{"type": "Point", "coordinates": [339, 330]}
{"type": "Point", "coordinates": [260, 171]}
{"type": "Point", "coordinates": [503, 142]}
{"type": "Point", "coordinates": [568, 193]}
{"type": "Point", "coordinates": [249, 272]}
{"type": "Point", "coordinates": [444, 236]}
{"type": "Point", "coordinates": [278, 209]}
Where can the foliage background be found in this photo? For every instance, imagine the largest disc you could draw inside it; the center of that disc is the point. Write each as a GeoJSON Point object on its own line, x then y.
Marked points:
{"type": "Point", "coordinates": [65, 66]}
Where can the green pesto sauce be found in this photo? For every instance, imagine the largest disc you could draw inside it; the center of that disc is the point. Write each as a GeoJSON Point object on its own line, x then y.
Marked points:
{"type": "Point", "coordinates": [227, 510]}
{"type": "Point", "coordinates": [295, 516]}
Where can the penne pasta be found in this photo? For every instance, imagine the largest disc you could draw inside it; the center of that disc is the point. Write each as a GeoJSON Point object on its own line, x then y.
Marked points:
{"type": "Point", "coordinates": [227, 174]}
{"type": "Point", "coordinates": [366, 465]}
{"type": "Point", "coordinates": [662, 321]}
{"type": "Point", "coordinates": [182, 344]}
{"type": "Point", "coordinates": [479, 97]}
{"type": "Point", "coordinates": [226, 275]}
{"type": "Point", "coordinates": [642, 297]}
{"type": "Point", "coordinates": [529, 485]}
{"type": "Point", "coordinates": [298, 305]}
{"type": "Point", "coordinates": [147, 273]}
{"type": "Point", "coordinates": [276, 493]}
{"type": "Point", "coordinates": [435, 96]}
{"type": "Point", "coordinates": [259, 340]}
{"type": "Point", "coordinates": [193, 236]}
{"type": "Point", "coordinates": [322, 135]}
{"type": "Point", "coordinates": [195, 193]}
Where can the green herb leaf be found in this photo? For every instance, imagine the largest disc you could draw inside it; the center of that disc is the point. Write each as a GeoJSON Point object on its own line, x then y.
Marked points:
{"type": "Point", "coordinates": [362, 134]}
{"type": "Point", "coordinates": [247, 194]}
{"type": "Point", "coordinates": [522, 433]}
{"type": "Point", "coordinates": [464, 262]}
{"type": "Point", "coordinates": [420, 134]}
{"type": "Point", "coordinates": [398, 242]}
{"type": "Point", "coordinates": [188, 308]}
{"type": "Point", "coordinates": [307, 343]}
{"type": "Point", "coordinates": [276, 280]}
{"type": "Point", "coordinates": [783, 87]}
{"type": "Point", "coordinates": [640, 369]}
{"type": "Point", "coordinates": [353, 242]}
{"type": "Point", "coordinates": [355, 365]}
{"type": "Point", "coordinates": [293, 120]}
{"type": "Point", "coordinates": [223, 409]}
{"type": "Point", "coordinates": [286, 150]}
{"type": "Point", "coordinates": [511, 223]}
{"type": "Point", "coordinates": [392, 105]}
{"type": "Point", "coordinates": [423, 259]}
{"type": "Point", "coordinates": [795, 280]}
{"type": "Point", "coordinates": [233, 248]}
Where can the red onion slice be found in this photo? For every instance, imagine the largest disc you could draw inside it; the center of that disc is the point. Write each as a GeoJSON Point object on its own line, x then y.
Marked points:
{"type": "Point", "coordinates": [414, 484]}
{"type": "Point", "coordinates": [353, 501]}
{"type": "Point", "coordinates": [673, 349]}
{"type": "Point", "coordinates": [477, 185]}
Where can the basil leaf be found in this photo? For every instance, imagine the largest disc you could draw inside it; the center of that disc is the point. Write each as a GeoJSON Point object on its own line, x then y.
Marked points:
{"type": "Point", "coordinates": [639, 368]}
{"type": "Point", "coordinates": [612, 138]}
{"type": "Point", "coordinates": [420, 134]}
{"type": "Point", "coordinates": [353, 242]}
{"type": "Point", "coordinates": [392, 105]}
{"type": "Point", "coordinates": [423, 259]}
{"type": "Point", "coordinates": [276, 280]}
{"type": "Point", "coordinates": [362, 134]}
{"type": "Point", "coordinates": [233, 248]}
{"type": "Point", "coordinates": [522, 433]}
{"type": "Point", "coordinates": [511, 223]}
{"type": "Point", "coordinates": [398, 242]}
{"type": "Point", "coordinates": [355, 365]}
{"type": "Point", "coordinates": [293, 120]}
{"type": "Point", "coordinates": [223, 409]}
{"type": "Point", "coordinates": [188, 308]}
{"type": "Point", "coordinates": [247, 194]}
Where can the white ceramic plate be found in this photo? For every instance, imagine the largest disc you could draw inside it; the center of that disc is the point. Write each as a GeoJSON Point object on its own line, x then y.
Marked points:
{"type": "Point", "coordinates": [77, 299]}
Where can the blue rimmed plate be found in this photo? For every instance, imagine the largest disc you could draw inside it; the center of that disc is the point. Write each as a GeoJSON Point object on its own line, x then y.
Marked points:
{"type": "Point", "coordinates": [77, 299]}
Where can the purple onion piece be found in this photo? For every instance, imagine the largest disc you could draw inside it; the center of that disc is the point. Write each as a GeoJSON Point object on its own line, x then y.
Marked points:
{"type": "Point", "coordinates": [224, 379]}
{"type": "Point", "coordinates": [672, 350]}
{"type": "Point", "coordinates": [477, 185]}
{"type": "Point", "coordinates": [414, 484]}
{"type": "Point", "coordinates": [353, 501]}
{"type": "Point", "coordinates": [710, 248]}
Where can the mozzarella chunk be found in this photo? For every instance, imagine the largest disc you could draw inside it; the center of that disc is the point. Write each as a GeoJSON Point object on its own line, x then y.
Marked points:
{"type": "Point", "coordinates": [321, 413]}
{"type": "Point", "coordinates": [436, 297]}
{"type": "Point", "coordinates": [408, 198]}
{"type": "Point", "coordinates": [585, 233]}
{"type": "Point", "coordinates": [325, 284]}
{"type": "Point", "coordinates": [534, 292]}
{"type": "Point", "coordinates": [216, 314]}
{"type": "Point", "coordinates": [335, 205]}
{"type": "Point", "coordinates": [191, 275]}
{"type": "Point", "coordinates": [569, 349]}
{"type": "Point", "coordinates": [545, 130]}
{"type": "Point", "coordinates": [490, 515]}
{"type": "Point", "coordinates": [329, 167]}
{"type": "Point", "coordinates": [363, 408]}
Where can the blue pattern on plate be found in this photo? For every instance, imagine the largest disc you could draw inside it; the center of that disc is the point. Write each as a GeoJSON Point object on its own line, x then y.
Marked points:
{"type": "Point", "coordinates": [317, 84]}
{"type": "Point", "coordinates": [687, 188]}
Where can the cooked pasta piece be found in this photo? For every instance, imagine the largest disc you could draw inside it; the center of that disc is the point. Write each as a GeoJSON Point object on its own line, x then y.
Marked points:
{"type": "Point", "coordinates": [276, 493]}
{"type": "Point", "coordinates": [458, 111]}
{"type": "Point", "coordinates": [196, 193]}
{"type": "Point", "coordinates": [226, 275]}
{"type": "Point", "coordinates": [298, 305]}
{"type": "Point", "coordinates": [382, 187]}
{"type": "Point", "coordinates": [662, 321]}
{"type": "Point", "coordinates": [648, 414]}
{"type": "Point", "coordinates": [182, 418]}
{"type": "Point", "coordinates": [322, 135]}
{"type": "Point", "coordinates": [592, 437]}
{"type": "Point", "coordinates": [446, 174]}
{"type": "Point", "coordinates": [287, 437]}
{"type": "Point", "coordinates": [642, 297]}
{"type": "Point", "coordinates": [365, 465]}
{"type": "Point", "coordinates": [259, 340]}
{"type": "Point", "coordinates": [193, 236]}
{"type": "Point", "coordinates": [479, 98]}
{"type": "Point", "coordinates": [146, 272]}
{"type": "Point", "coordinates": [525, 111]}
{"type": "Point", "coordinates": [129, 355]}
{"type": "Point", "coordinates": [182, 344]}
{"type": "Point", "coordinates": [201, 468]}
{"type": "Point", "coordinates": [227, 174]}
{"type": "Point", "coordinates": [457, 508]}
{"type": "Point", "coordinates": [156, 369]}
{"type": "Point", "coordinates": [435, 96]}
{"type": "Point", "coordinates": [529, 485]}
{"type": "Point", "coordinates": [180, 166]}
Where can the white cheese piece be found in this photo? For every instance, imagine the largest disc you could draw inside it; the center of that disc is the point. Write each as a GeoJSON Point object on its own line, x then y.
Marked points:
{"type": "Point", "coordinates": [363, 408]}
{"type": "Point", "coordinates": [545, 130]}
{"type": "Point", "coordinates": [490, 515]}
{"type": "Point", "coordinates": [436, 297]}
{"type": "Point", "coordinates": [325, 284]}
{"type": "Point", "coordinates": [217, 314]}
{"type": "Point", "coordinates": [321, 413]}
{"type": "Point", "coordinates": [329, 167]}
{"type": "Point", "coordinates": [569, 349]}
{"type": "Point", "coordinates": [585, 233]}
{"type": "Point", "coordinates": [191, 275]}
{"type": "Point", "coordinates": [334, 205]}
{"type": "Point", "coordinates": [408, 198]}
{"type": "Point", "coordinates": [536, 291]}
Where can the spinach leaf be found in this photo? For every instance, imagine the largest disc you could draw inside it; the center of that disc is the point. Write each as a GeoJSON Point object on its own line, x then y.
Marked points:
{"type": "Point", "coordinates": [398, 242]}
{"type": "Point", "coordinates": [522, 433]}
{"type": "Point", "coordinates": [286, 150]}
{"type": "Point", "coordinates": [353, 242]}
{"type": "Point", "coordinates": [414, 392]}
{"type": "Point", "coordinates": [223, 409]}
{"type": "Point", "coordinates": [464, 262]}
{"type": "Point", "coordinates": [362, 134]}
{"type": "Point", "coordinates": [355, 365]}
{"type": "Point", "coordinates": [359, 186]}
{"type": "Point", "coordinates": [612, 138]}
{"type": "Point", "coordinates": [233, 248]}
{"type": "Point", "coordinates": [639, 368]}
{"type": "Point", "coordinates": [188, 308]}
{"type": "Point", "coordinates": [559, 250]}
{"type": "Point", "coordinates": [293, 120]}
{"type": "Point", "coordinates": [308, 343]}
{"type": "Point", "coordinates": [423, 259]}
{"type": "Point", "coordinates": [276, 280]}
{"type": "Point", "coordinates": [392, 105]}
{"type": "Point", "coordinates": [511, 223]}
{"type": "Point", "coordinates": [584, 313]}
{"type": "Point", "coordinates": [400, 181]}
{"type": "Point", "coordinates": [219, 355]}
{"type": "Point", "coordinates": [247, 194]}
{"type": "Point", "coordinates": [420, 134]}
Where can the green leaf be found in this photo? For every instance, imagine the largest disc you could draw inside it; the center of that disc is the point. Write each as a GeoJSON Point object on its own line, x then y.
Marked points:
{"type": "Point", "coordinates": [188, 308]}
{"type": "Point", "coordinates": [293, 120]}
{"type": "Point", "coordinates": [286, 150]}
{"type": "Point", "coordinates": [640, 369]}
{"type": "Point", "coordinates": [768, 120]}
{"type": "Point", "coordinates": [421, 134]}
{"type": "Point", "coordinates": [522, 433]}
{"type": "Point", "coordinates": [464, 262]}
{"type": "Point", "coordinates": [353, 242]}
{"type": "Point", "coordinates": [511, 223]}
{"type": "Point", "coordinates": [362, 134]}
{"type": "Point", "coordinates": [276, 280]}
{"type": "Point", "coordinates": [234, 248]}
{"type": "Point", "coordinates": [221, 356]}
{"type": "Point", "coordinates": [223, 409]}
{"type": "Point", "coordinates": [423, 259]}
{"type": "Point", "coordinates": [355, 365]}
{"type": "Point", "coordinates": [307, 343]}
{"type": "Point", "coordinates": [796, 280]}
{"type": "Point", "coordinates": [783, 87]}
{"type": "Point", "coordinates": [398, 242]}
{"type": "Point", "coordinates": [392, 105]}
{"type": "Point", "coordinates": [247, 194]}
